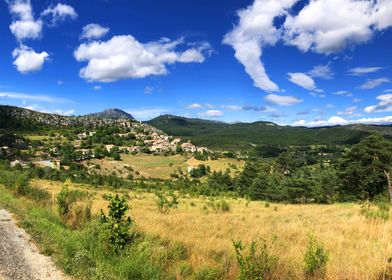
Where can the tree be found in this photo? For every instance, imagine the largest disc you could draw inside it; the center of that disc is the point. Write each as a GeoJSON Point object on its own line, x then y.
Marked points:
{"type": "Point", "coordinates": [365, 171]}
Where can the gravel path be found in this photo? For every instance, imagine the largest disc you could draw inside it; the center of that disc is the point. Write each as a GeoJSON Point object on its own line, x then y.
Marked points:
{"type": "Point", "coordinates": [19, 257]}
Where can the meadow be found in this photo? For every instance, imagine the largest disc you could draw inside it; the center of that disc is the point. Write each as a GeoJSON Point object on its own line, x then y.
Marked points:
{"type": "Point", "coordinates": [359, 247]}
{"type": "Point", "coordinates": [160, 166]}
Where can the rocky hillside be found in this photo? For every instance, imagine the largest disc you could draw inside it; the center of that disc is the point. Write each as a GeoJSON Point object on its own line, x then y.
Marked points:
{"type": "Point", "coordinates": [16, 117]}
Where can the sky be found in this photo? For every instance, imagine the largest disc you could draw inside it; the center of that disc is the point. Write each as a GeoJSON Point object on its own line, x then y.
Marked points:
{"type": "Point", "coordinates": [301, 63]}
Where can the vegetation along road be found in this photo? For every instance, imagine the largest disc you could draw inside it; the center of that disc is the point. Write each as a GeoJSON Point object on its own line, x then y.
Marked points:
{"type": "Point", "coordinates": [19, 258]}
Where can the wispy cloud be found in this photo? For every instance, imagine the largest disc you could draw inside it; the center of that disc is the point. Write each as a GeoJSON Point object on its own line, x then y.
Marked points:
{"type": "Point", "coordinates": [283, 100]}
{"type": "Point", "coordinates": [31, 97]}
{"type": "Point", "coordinates": [335, 120]}
{"type": "Point", "coordinates": [384, 104]}
{"type": "Point", "coordinates": [359, 71]}
{"type": "Point", "coordinates": [372, 83]}
{"type": "Point", "coordinates": [212, 114]}
{"type": "Point", "coordinates": [144, 114]}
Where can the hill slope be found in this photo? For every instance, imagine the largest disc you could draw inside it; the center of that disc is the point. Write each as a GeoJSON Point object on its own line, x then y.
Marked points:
{"type": "Point", "coordinates": [243, 135]}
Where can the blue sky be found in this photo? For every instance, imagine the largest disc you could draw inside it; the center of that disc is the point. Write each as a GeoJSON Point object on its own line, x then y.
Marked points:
{"type": "Point", "coordinates": [286, 61]}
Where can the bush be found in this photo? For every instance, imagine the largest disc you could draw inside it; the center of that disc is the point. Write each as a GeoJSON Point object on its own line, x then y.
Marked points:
{"type": "Point", "coordinates": [380, 210]}
{"type": "Point", "coordinates": [316, 259]}
{"type": "Point", "coordinates": [164, 204]}
{"type": "Point", "coordinates": [256, 264]}
{"type": "Point", "coordinates": [223, 206]}
{"type": "Point", "coordinates": [116, 226]}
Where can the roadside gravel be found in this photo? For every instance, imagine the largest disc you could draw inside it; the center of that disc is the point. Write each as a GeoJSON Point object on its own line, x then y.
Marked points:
{"type": "Point", "coordinates": [19, 257]}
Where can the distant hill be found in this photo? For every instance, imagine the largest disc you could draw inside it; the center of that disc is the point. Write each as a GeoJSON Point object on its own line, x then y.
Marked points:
{"type": "Point", "coordinates": [114, 114]}
{"type": "Point", "coordinates": [221, 135]}
{"type": "Point", "coordinates": [12, 117]}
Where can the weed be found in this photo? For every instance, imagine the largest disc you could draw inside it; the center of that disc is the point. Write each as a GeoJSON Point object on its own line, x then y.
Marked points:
{"type": "Point", "coordinates": [315, 259]}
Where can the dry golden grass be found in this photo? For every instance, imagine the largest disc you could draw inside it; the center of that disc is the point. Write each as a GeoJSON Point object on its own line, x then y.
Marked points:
{"type": "Point", "coordinates": [159, 166]}
{"type": "Point", "coordinates": [359, 247]}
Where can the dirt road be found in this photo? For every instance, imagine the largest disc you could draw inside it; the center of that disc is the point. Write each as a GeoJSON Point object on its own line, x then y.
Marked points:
{"type": "Point", "coordinates": [19, 257]}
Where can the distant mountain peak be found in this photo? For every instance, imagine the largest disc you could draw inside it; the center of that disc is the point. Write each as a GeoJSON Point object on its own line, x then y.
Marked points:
{"type": "Point", "coordinates": [112, 113]}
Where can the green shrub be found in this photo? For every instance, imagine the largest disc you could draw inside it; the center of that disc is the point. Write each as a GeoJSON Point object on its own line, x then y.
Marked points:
{"type": "Point", "coordinates": [315, 259]}
{"type": "Point", "coordinates": [255, 264]}
{"type": "Point", "coordinates": [223, 206]}
{"type": "Point", "coordinates": [381, 210]}
{"type": "Point", "coordinates": [207, 273]}
{"type": "Point", "coordinates": [116, 227]}
{"type": "Point", "coordinates": [164, 203]}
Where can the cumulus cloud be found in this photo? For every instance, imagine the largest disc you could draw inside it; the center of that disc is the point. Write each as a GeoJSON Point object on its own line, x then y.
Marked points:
{"type": "Point", "coordinates": [232, 107]}
{"type": "Point", "coordinates": [212, 113]}
{"type": "Point", "coordinates": [385, 104]}
{"type": "Point", "coordinates": [311, 29]}
{"type": "Point", "coordinates": [94, 31]}
{"type": "Point", "coordinates": [24, 26]}
{"type": "Point", "coordinates": [123, 57]}
{"type": "Point", "coordinates": [283, 100]}
{"type": "Point", "coordinates": [26, 60]}
{"type": "Point", "coordinates": [335, 120]}
{"type": "Point", "coordinates": [372, 83]}
{"type": "Point", "coordinates": [254, 31]}
{"type": "Point", "coordinates": [302, 80]}
{"type": "Point", "coordinates": [264, 109]}
{"type": "Point", "coordinates": [194, 106]}
{"type": "Point", "coordinates": [358, 71]}
{"type": "Point", "coordinates": [41, 109]}
{"type": "Point", "coordinates": [59, 13]}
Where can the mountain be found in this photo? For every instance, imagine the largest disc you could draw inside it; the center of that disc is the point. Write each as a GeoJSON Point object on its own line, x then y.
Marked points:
{"type": "Point", "coordinates": [221, 135]}
{"type": "Point", "coordinates": [114, 114]}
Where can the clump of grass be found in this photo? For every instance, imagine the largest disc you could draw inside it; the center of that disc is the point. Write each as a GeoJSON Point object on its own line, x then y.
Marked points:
{"type": "Point", "coordinates": [381, 210]}
{"type": "Point", "coordinates": [257, 263]}
{"type": "Point", "coordinates": [223, 206]}
{"type": "Point", "coordinates": [315, 259]}
{"type": "Point", "coordinates": [164, 203]}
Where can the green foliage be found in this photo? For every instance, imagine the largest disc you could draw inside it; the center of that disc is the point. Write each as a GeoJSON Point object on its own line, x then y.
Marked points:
{"type": "Point", "coordinates": [164, 203]}
{"type": "Point", "coordinates": [66, 198]}
{"type": "Point", "coordinates": [116, 225]}
{"type": "Point", "coordinates": [257, 263]}
{"type": "Point", "coordinates": [315, 259]}
{"type": "Point", "coordinates": [363, 169]}
{"type": "Point", "coordinates": [223, 206]}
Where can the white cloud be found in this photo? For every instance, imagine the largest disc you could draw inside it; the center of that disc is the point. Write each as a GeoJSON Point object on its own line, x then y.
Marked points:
{"type": "Point", "coordinates": [212, 113]}
{"type": "Point", "coordinates": [149, 90]}
{"type": "Point", "coordinates": [302, 80]}
{"type": "Point", "coordinates": [348, 111]}
{"type": "Point", "coordinates": [94, 31]}
{"type": "Point", "coordinates": [358, 71]}
{"type": "Point", "coordinates": [41, 109]}
{"type": "Point", "coordinates": [27, 60]}
{"type": "Point", "coordinates": [194, 106]}
{"type": "Point", "coordinates": [123, 57]}
{"type": "Point", "coordinates": [283, 100]}
{"type": "Point", "coordinates": [343, 93]}
{"type": "Point", "coordinates": [144, 114]}
{"type": "Point", "coordinates": [385, 104]}
{"type": "Point", "coordinates": [59, 13]}
{"type": "Point", "coordinates": [321, 71]}
{"type": "Point", "coordinates": [372, 83]}
{"type": "Point", "coordinates": [311, 29]}
{"type": "Point", "coordinates": [254, 31]}
{"type": "Point", "coordinates": [97, 87]}
{"type": "Point", "coordinates": [232, 107]}
{"type": "Point", "coordinates": [25, 96]}
{"type": "Point", "coordinates": [24, 26]}
{"type": "Point", "coordinates": [353, 22]}
{"type": "Point", "coordinates": [332, 121]}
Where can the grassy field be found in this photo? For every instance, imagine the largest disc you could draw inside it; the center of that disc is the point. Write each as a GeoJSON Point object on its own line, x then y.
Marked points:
{"type": "Point", "coordinates": [359, 247]}
{"type": "Point", "coordinates": [159, 166]}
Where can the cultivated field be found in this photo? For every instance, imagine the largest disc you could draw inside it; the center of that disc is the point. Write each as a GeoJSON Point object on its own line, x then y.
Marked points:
{"type": "Point", "coordinates": [359, 247]}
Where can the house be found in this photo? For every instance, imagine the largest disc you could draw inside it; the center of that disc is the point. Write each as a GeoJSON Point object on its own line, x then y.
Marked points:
{"type": "Point", "coordinates": [4, 150]}
{"type": "Point", "coordinates": [202, 149]}
{"type": "Point", "coordinates": [54, 150]}
{"type": "Point", "coordinates": [18, 162]}
{"type": "Point", "coordinates": [82, 136]}
{"type": "Point", "coordinates": [188, 147]}
{"type": "Point", "coordinates": [176, 141]}
{"type": "Point", "coordinates": [109, 147]}
{"type": "Point", "coordinates": [92, 133]}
